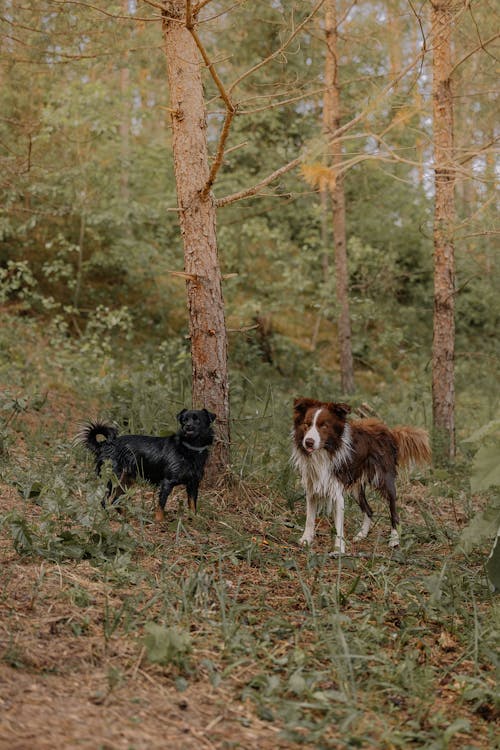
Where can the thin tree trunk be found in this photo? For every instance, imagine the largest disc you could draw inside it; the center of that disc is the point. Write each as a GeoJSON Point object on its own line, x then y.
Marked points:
{"type": "Point", "coordinates": [125, 126]}
{"type": "Point", "coordinates": [443, 349]}
{"type": "Point", "coordinates": [331, 123]}
{"type": "Point", "coordinates": [198, 228]}
{"type": "Point", "coordinates": [79, 260]}
{"type": "Point", "coordinates": [324, 195]}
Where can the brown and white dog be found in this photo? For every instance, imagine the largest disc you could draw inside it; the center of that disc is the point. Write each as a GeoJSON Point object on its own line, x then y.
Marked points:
{"type": "Point", "coordinates": [333, 454]}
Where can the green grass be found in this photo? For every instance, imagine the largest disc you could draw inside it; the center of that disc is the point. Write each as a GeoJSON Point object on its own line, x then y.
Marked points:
{"type": "Point", "coordinates": [222, 617]}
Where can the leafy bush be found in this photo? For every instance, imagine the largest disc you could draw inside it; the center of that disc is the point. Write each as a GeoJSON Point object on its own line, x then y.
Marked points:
{"type": "Point", "coordinates": [18, 284]}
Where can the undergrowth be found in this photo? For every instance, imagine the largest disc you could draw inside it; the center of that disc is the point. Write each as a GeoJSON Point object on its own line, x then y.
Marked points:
{"type": "Point", "coordinates": [373, 649]}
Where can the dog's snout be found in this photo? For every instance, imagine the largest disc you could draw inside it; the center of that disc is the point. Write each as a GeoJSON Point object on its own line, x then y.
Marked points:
{"type": "Point", "coordinates": [189, 427]}
{"type": "Point", "coordinates": [309, 443]}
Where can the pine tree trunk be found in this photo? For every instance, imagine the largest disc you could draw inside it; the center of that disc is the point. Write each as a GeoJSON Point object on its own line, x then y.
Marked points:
{"type": "Point", "coordinates": [197, 216]}
{"type": "Point", "coordinates": [331, 122]}
{"type": "Point", "coordinates": [125, 126]}
{"type": "Point", "coordinates": [443, 350]}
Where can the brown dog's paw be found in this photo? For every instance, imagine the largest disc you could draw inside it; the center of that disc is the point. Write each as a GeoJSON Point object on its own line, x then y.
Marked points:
{"type": "Point", "coordinates": [159, 515]}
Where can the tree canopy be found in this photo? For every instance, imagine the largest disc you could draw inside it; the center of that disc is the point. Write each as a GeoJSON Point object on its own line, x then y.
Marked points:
{"type": "Point", "coordinates": [89, 211]}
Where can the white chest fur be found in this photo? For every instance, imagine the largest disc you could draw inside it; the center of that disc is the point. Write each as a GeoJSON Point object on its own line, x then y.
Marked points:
{"type": "Point", "coordinates": [318, 478]}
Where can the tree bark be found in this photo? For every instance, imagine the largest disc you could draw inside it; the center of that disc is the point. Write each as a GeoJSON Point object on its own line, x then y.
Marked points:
{"type": "Point", "coordinates": [331, 123]}
{"type": "Point", "coordinates": [443, 348]}
{"type": "Point", "coordinates": [197, 216]}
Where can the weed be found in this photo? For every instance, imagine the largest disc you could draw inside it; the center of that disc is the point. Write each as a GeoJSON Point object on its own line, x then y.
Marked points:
{"type": "Point", "coordinates": [167, 646]}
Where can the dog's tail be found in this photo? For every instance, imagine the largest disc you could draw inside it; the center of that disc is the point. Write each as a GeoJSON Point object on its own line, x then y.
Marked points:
{"type": "Point", "coordinates": [94, 434]}
{"type": "Point", "coordinates": [413, 445]}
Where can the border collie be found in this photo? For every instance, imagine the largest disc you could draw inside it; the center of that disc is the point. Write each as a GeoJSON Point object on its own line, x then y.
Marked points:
{"type": "Point", "coordinates": [333, 454]}
{"type": "Point", "coordinates": [178, 459]}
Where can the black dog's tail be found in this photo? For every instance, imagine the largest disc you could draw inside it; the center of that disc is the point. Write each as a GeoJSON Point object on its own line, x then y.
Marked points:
{"type": "Point", "coordinates": [94, 434]}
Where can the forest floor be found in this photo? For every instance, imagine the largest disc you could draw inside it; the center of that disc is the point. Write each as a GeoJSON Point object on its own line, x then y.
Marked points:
{"type": "Point", "coordinates": [218, 631]}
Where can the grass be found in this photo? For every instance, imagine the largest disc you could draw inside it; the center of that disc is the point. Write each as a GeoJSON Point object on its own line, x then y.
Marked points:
{"type": "Point", "coordinates": [218, 631]}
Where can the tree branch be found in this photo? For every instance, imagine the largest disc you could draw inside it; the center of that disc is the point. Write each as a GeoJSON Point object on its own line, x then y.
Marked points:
{"type": "Point", "coordinates": [219, 157]}
{"type": "Point", "coordinates": [230, 107]}
{"type": "Point", "coordinates": [472, 154]}
{"type": "Point", "coordinates": [482, 45]}
{"type": "Point", "coordinates": [282, 102]}
{"type": "Point", "coordinates": [224, 95]}
{"type": "Point", "coordinates": [201, 4]}
{"type": "Point", "coordinates": [279, 50]}
{"type": "Point", "coordinates": [476, 216]}
{"type": "Point", "coordinates": [222, 12]}
{"type": "Point", "coordinates": [249, 192]}
{"type": "Point", "coordinates": [106, 12]}
{"type": "Point", "coordinates": [159, 6]}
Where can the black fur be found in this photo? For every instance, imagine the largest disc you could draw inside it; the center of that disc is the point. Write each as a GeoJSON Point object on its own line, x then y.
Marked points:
{"type": "Point", "coordinates": [178, 459]}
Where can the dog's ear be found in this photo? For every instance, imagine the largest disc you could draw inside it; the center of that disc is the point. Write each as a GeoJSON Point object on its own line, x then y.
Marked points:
{"type": "Point", "coordinates": [340, 410]}
{"type": "Point", "coordinates": [303, 404]}
{"type": "Point", "coordinates": [211, 417]}
{"type": "Point", "coordinates": [183, 411]}
{"type": "Point", "coordinates": [300, 406]}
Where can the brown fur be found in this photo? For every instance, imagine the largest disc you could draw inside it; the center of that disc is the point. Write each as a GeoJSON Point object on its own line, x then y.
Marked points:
{"type": "Point", "coordinates": [363, 451]}
{"type": "Point", "coordinates": [413, 445]}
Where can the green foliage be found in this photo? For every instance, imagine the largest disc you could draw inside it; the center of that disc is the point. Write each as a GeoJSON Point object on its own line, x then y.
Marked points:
{"type": "Point", "coordinates": [486, 474]}
{"type": "Point", "coordinates": [65, 538]}
{"type": "Point", "coordinates": [486, 468]}
{"type": "Point", "coordinates": [486, 463]}
{"type": "Point", "coordinates": [66, 527]}
{"type": "Point", "coordinates": [166, 645]}
{"type": "Point", "coordinates": [87, 240]}
{"type": "Point", "coordinates": [493, 562]}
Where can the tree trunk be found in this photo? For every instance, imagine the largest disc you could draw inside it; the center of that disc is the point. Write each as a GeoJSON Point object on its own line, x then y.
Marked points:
{"type": "Point", "coordinates": [125, 127]}
{"type": "Point", "coordinates": [331, 122]}
{"type": "Point", "coordinates": [443, 349]}
{"type": "Point", "coordinates": [198, 228]}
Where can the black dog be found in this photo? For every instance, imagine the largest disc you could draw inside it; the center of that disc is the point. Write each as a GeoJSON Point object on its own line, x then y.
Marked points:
{"type": "Point", "coordinates": [163, 461]}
